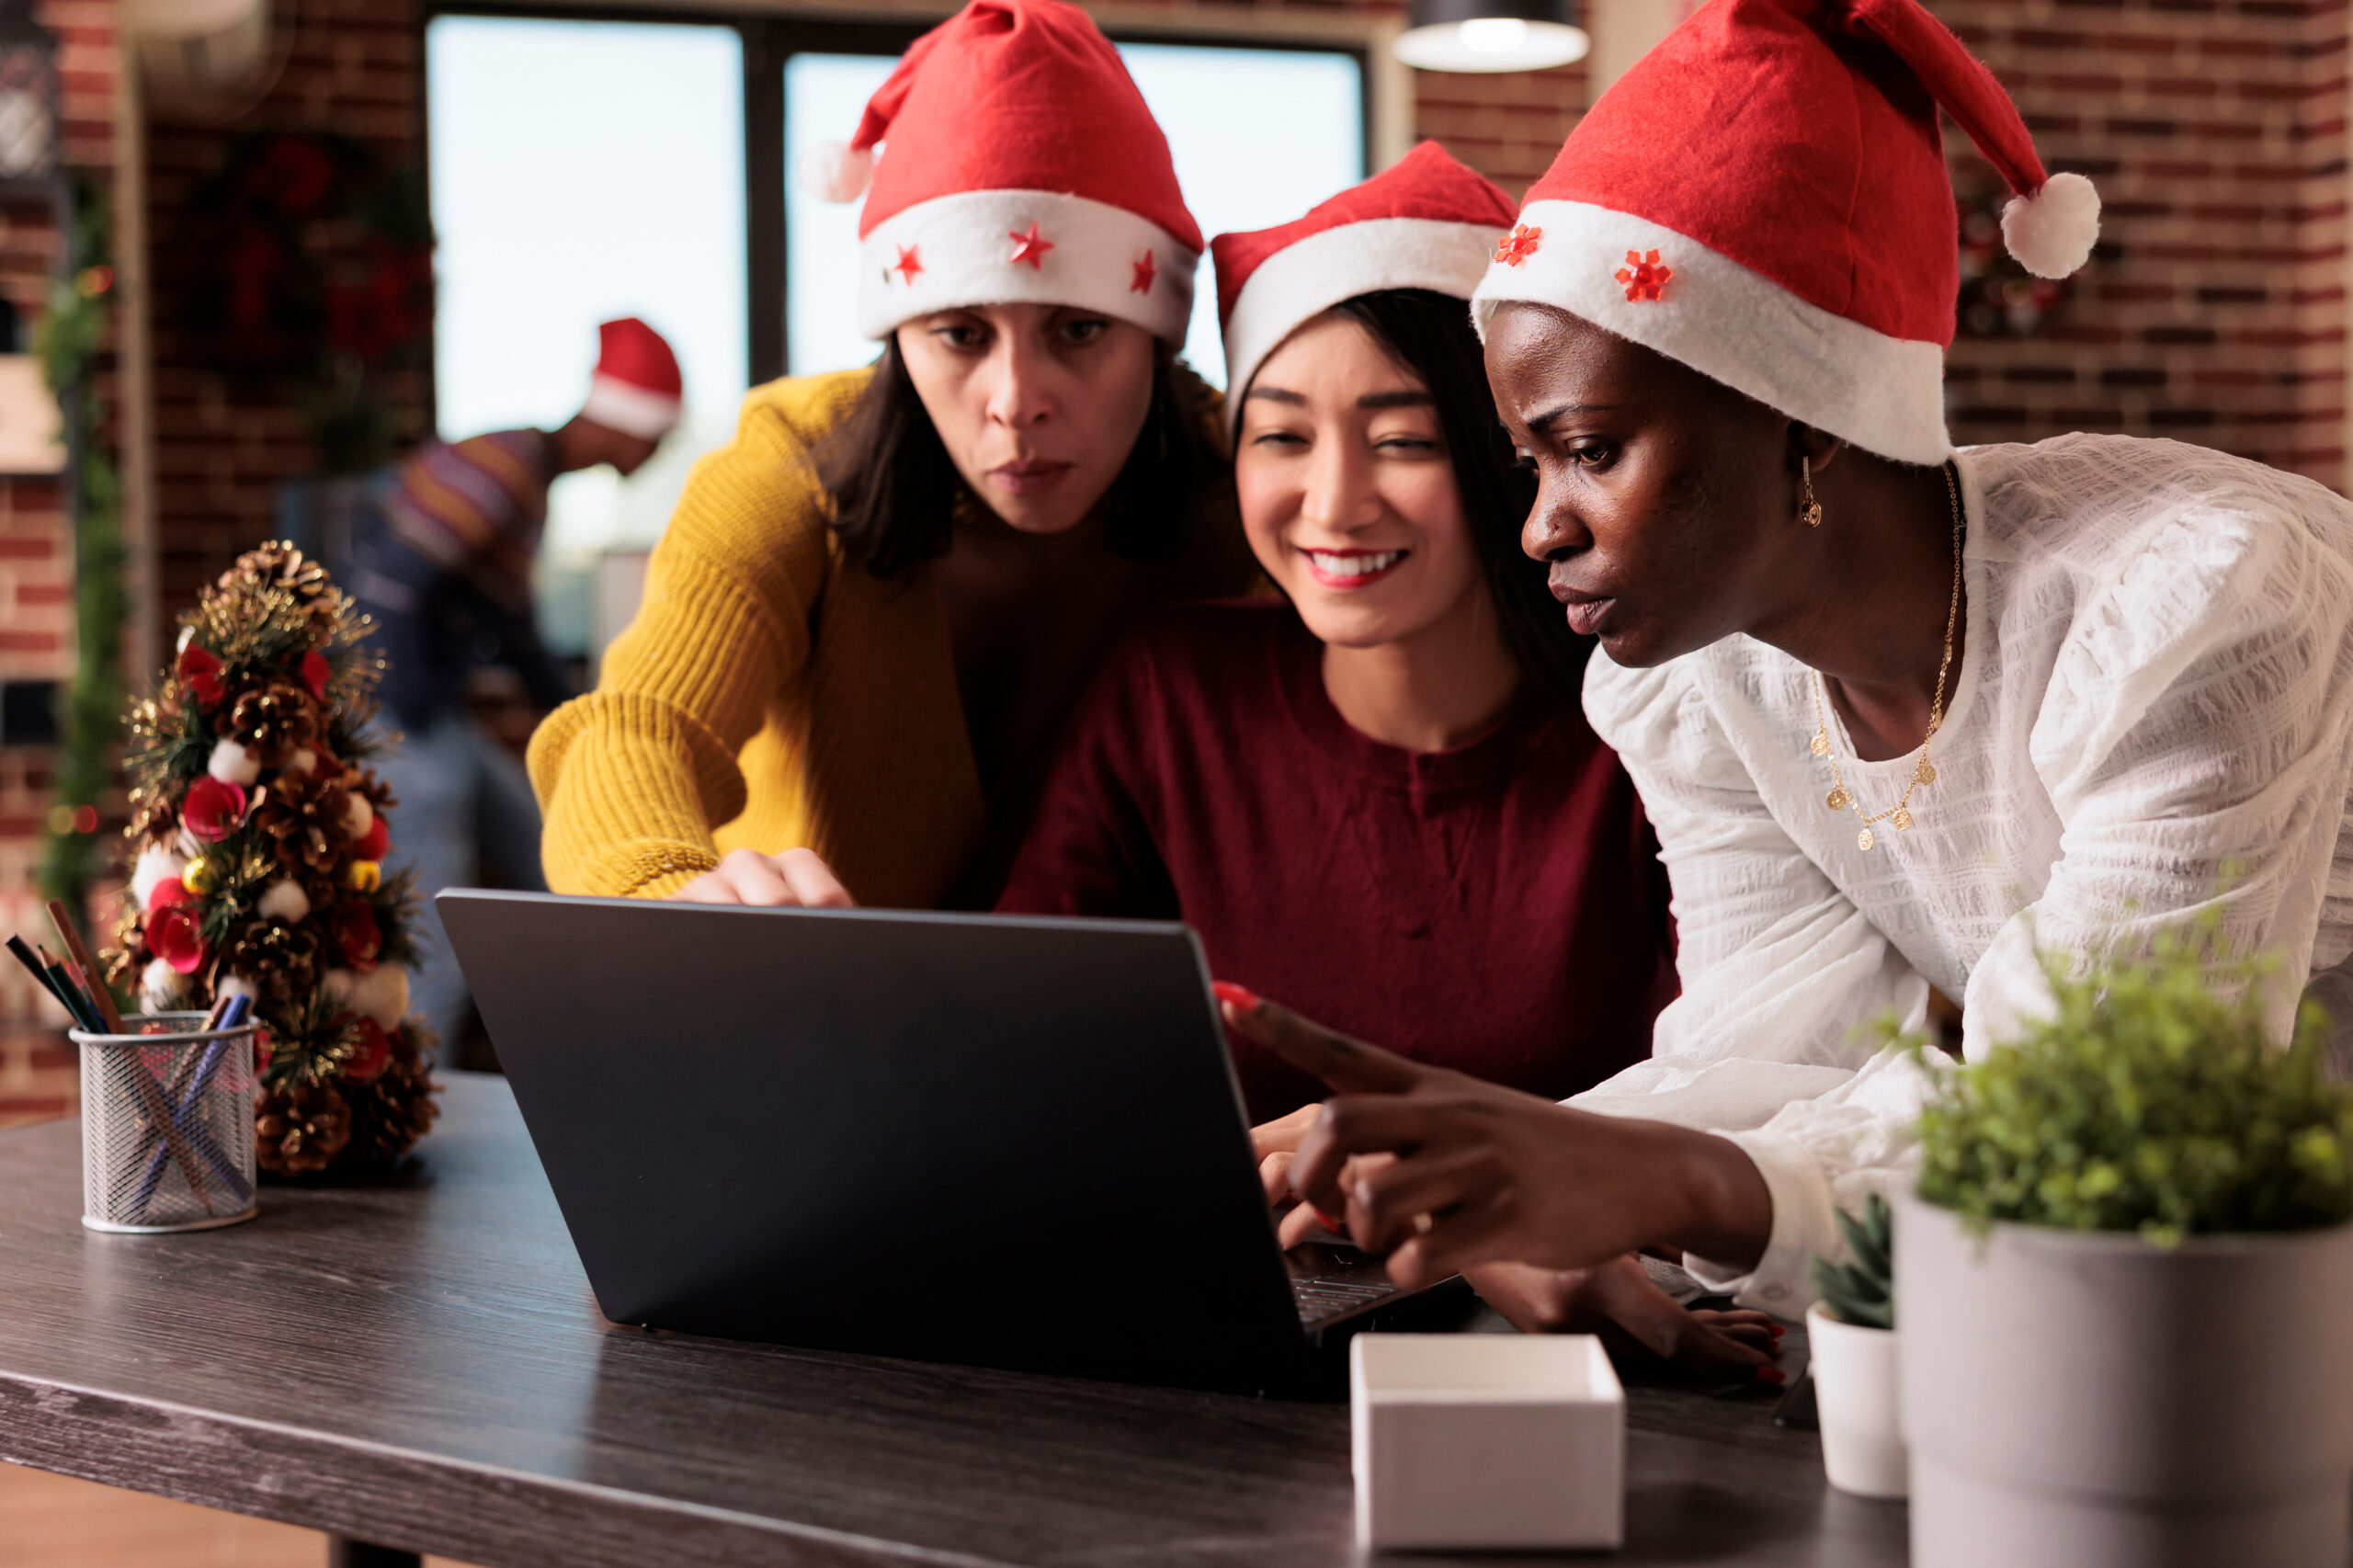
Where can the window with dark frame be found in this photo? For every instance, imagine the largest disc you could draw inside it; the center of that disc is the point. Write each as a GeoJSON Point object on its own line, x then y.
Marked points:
{"type": "Point", "coordinates": [1261, 129]}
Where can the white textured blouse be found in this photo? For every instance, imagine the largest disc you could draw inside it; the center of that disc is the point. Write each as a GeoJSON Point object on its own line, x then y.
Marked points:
{"type": "Point", "coordinates": [2153, 716]}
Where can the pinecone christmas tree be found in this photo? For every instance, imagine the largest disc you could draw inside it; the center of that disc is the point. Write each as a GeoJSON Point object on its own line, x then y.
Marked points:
{"type": "Point", "coordinates": [259, 839]}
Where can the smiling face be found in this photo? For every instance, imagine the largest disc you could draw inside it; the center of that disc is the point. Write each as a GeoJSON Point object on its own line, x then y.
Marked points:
{"type": "Point", "coordinates": [1038, 405]}
{"type": "Point", "coordinates": [1664, 499]}
{"type": "Point", "coordinates": [1348, 494]}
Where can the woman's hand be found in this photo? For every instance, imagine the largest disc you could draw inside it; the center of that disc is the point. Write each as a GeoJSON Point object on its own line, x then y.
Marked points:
{"type": "Point", "coordinates": [1481, 1174]}
{"type": "Point", "coordinates": [1621, 1302]}
{"type": "Point", "coordinates": [746, 876]}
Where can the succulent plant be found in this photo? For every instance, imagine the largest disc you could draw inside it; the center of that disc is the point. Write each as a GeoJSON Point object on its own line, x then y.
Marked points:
{"type": "Point", "coordinates": [1863, 1291]}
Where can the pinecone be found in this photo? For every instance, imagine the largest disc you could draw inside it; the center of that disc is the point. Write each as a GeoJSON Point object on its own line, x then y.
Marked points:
{"type": "Point", "coordinates": [300, 1127]}
{"type": "Point", "coordinates": [389, 1114]}
{"type": "Point", "coordinates": [304, 815]}
{"type": "Point", "coordinates": [279, 564]}
{"type": "Point", "coordinates": [283, 960]}
{"type": "Point", "coordinates": [273, 720]}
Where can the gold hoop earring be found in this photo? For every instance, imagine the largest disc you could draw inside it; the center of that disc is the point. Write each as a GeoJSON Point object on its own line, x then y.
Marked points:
{"type": "Point", "coordinates": [1811, 509]}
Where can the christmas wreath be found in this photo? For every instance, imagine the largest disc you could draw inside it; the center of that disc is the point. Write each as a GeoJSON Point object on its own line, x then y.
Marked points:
{"type": "Point", "coordinates": [259, 840]}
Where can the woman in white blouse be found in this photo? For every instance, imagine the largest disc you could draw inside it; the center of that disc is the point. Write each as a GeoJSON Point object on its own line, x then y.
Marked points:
{"type": "Point", "coordinates": [1899, 713]}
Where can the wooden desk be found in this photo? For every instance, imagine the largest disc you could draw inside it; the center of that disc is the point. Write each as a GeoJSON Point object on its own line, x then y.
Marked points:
{"type": "Point", "coordinates": [423, 1366]}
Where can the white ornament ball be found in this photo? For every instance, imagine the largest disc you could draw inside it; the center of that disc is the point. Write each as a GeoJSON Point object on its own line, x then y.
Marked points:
{"type": "Point", "coordinates": [153, 865]}
{"type": "Point", "coordinates": [303, 761]}
{"type": "Point", "coordinates": [285, 900]}
{"type": "Point", "coordinates": [187, 635]}
{"type": "Point", "coordinates": [337, 984]}
{"type": "Point", "coordinates": [835, 171]}
{"type": "Point", "coordinates": [233, 764]}
{"type": "Point", "coordinates": [161, 987]}
{"type": "Point", "coordinates": [2052, 232]}
{"type": "Point", "coordinates": [359, 817]}
{"type": "Point", "coordinates": [235, 985]}
{"type": "Point", "coordinates": [382, 995]}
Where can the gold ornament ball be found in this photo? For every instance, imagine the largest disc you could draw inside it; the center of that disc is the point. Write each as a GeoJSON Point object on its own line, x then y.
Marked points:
{"type": "Point", "coordinates": [362, 876]}
{"type": "Point", "coordinates": [199, 878]}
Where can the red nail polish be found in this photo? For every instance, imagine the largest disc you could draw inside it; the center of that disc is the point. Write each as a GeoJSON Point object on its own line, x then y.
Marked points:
{"type": "Point", "coordinates": [1779, 1331]}
{"type": "Point", "coordinates": [1241, 998]}
{"type": "Point", "coordinates": [1768, 1373]}
{"type": "Point", "coordinates": [1337, 1227]}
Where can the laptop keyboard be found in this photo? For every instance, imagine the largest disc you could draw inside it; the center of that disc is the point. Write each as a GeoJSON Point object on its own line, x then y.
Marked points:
{"type": "Point", "coordinates": [1319, 1299]}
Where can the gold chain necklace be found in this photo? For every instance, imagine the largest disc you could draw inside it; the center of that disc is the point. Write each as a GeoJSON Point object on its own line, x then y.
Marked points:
{"type": "Point", "coordinates": [1842, 799]}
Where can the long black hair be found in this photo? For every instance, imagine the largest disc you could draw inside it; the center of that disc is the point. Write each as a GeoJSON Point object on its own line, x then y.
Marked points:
{"type": "Point", "coordinates": [1430, 335]}
{"type": "Point", "coordinates": [893, 490]}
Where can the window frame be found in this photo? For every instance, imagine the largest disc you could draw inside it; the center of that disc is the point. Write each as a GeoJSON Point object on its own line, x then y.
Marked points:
{"type": "Point", "coordinates": [770, 39]}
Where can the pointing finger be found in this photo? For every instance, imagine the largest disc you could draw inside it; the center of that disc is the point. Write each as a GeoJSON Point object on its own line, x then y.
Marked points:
{"type": "Point", "coordinates": [1348, 1066]}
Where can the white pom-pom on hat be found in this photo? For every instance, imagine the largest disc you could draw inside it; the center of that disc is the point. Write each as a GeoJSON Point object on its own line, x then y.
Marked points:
{"type": "Point", "coordinates": [836, 171]}
{"type": "Point", "coordinates": [2052, 232]}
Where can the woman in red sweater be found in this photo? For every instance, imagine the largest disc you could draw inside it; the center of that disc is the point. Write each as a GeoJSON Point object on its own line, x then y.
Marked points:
{"type": "Point", "coordinates": [1397, 744]}
{"type": "Point", "coordinates": [1397, 747]}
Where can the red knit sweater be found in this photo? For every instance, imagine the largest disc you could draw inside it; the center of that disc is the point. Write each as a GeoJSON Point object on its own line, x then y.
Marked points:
{"type": "Point", "coordinates": [1498, 908]}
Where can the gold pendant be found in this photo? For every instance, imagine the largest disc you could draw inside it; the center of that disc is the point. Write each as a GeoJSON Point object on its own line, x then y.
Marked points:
{"type": "Point", "coordinates": [1927, 772]}
{"type": "Point", "coordinates": [1822, 743]}
{"type": "Point", "coordinates": [1902, 820]}
{"type": "Point", "coordinates": [1838, 800]}
{"type": "Point", "coordinates": [1864, 839]}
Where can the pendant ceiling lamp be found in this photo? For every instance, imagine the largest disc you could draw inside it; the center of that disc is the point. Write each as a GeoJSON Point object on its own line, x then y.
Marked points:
{"type": "Point", "coordinates": [1491, 35]}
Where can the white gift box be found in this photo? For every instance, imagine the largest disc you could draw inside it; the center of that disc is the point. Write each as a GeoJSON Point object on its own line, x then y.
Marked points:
{"type": "Point", "coordinates": [1487, 1440]}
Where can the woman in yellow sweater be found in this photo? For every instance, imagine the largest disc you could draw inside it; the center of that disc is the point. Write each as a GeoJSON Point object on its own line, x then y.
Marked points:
{"type": "Point", "coordinates": [872, 611]}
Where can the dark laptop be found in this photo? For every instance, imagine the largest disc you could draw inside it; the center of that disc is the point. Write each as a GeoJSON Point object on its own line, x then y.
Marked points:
{"type": "Point", "coordinates": [1006, 1141]}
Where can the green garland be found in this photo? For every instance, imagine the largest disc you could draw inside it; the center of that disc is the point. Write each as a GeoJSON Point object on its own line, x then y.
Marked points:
{"type": "Point", "coordinates": [90, 704]}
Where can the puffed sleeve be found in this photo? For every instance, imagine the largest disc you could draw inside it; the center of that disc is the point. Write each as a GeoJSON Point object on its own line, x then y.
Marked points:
{"type": "Point", "coordinates": [635, 776]}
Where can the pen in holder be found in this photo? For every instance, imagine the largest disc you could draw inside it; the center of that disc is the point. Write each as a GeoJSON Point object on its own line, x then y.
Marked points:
{"type": "Point", "coordinates": [167, 1124]}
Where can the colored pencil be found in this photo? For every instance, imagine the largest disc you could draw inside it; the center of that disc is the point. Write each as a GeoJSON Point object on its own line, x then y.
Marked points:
{"type": "Point", "coordinates": [77, 949]}
{"type": "Point", "coordinates": [24, 955]}
{"type": "Point", "coordinates": [61, 980]}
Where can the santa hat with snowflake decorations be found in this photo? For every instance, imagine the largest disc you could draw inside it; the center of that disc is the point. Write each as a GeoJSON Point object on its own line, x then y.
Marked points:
{"type": "Point", "coordinates": [636, 389]}
{"type": "Point", "coordinates": [1018, 164]}
{"type": "Point", "coordinates": [1424, 223]}
{"type": "Point", "coordinates": [1764, 197]}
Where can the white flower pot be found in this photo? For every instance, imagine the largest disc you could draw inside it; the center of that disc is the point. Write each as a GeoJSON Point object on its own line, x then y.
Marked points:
{"type": "Point", "coordinates": [2086, 1400]}
{"type": "Point", "coordinates": [1854, 1393]}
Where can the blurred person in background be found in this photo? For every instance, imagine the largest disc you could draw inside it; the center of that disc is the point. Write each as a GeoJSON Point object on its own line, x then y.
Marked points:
{"type": "Point", "coordinates": [442, 563]}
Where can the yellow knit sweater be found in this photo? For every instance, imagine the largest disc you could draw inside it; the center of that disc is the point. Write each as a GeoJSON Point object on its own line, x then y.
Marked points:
{"type": "Point", "coordinates": [770, 693]}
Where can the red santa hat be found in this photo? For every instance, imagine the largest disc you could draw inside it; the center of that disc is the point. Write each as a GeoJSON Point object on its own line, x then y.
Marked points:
{"type": "Point", "coordinates": [1021, 166]}
{"type": "Point", "coordinates": [1764, 197]}
{"type": "Point", "coordinates": [1424, 223]}
{"type": "Point", "coordinates": [636, 388]}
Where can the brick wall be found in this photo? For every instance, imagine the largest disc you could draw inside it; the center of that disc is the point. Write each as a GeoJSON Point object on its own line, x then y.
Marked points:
{"type": "Point", "coordinates": [2216, 131]}
{"type": "Point", "coordinates": [223, 443]}
{"type": "Point", "coordinates": [36, 567]}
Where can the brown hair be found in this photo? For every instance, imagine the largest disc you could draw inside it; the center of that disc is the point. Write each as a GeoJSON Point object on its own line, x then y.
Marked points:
{"type": "Point", "coordinates": [894, 488]}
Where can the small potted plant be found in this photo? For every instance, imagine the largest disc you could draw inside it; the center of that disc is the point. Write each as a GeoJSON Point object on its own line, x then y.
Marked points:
{"type": "Point", "coordinates": [1851, 1331]}
{"type": "Point", "coordinates": [2126, 1276]}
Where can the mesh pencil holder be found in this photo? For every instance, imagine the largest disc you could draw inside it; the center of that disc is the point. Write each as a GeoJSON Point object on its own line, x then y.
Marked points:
{"type": "Point", "coordinates": [167, 1126]}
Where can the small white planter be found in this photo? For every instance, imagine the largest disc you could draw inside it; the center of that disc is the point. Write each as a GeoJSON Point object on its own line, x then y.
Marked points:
{"type": "Point", "coordinates": [2085, 1400]}
{"type": "Point", "coordinates": [1487, 1440]}
{"type": "Point", "coordinates": [1855, 1395]}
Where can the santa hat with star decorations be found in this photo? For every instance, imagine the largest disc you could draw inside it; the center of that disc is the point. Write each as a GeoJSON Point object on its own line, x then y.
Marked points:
{"type": "Point", "coordinates": [1764, 197]}
{"type": "Point", "coordinates": [1018, 164]}
{"type": "Point", "coordinates": [1425, 223]}
{"type": "Point", "coordinates": [636, 389]}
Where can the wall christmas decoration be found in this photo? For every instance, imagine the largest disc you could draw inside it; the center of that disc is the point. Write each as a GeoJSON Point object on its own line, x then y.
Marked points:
{"type": "Point", "coordinates": [259, 838]}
